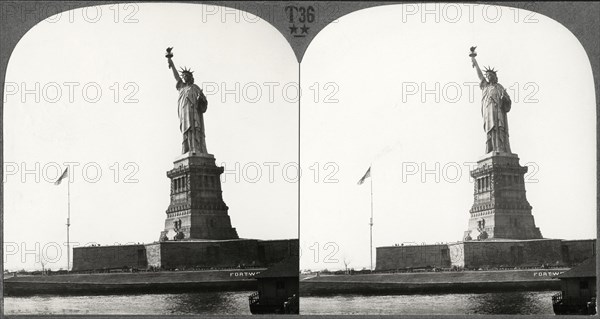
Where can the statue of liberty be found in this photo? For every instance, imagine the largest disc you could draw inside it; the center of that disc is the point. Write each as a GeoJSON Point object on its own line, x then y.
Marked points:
{"type": "Point", "coordinates": [495, 103]}
{"type": "Point", "coordinates": [191, 105]}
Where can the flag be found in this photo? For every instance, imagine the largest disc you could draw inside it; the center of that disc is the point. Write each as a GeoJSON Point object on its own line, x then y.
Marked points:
{"type": "Point", "coordinates": [64, 174]}
{"type": "Point", "coordinates": [367, 175]}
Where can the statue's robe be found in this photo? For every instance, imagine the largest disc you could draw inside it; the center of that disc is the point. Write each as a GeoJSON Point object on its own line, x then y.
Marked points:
{"type": "Point", "coordinates": [192, 104]}
{"type": "Point", "coordinates": [495, 103]}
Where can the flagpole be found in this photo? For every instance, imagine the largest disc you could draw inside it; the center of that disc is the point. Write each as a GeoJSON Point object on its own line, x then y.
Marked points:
{"type": "Point", "coordinates": [68, 223]}
{"type": "Point", "coordinates": [371, 224]}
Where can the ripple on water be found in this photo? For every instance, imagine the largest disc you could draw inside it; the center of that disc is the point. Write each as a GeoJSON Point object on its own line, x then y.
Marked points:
{"type": "Point", "coordinates": [526, 303]}
{"type": "Point", "coordinates": [226, 303]}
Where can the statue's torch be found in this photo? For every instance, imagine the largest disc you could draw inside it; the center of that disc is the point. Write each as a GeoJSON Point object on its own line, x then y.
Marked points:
{"type": "Point", "coordinates": [473, 54]}
{"type": "Point", "coordinates": [169, 55]}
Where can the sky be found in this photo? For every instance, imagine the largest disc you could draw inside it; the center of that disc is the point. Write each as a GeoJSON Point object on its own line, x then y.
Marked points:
{"type": "Point", "coordinates": [391, 88]}
{"type": "Point", "coordinates": [407, 104]}
{"type": "Point", "coordinates": [125, 138]}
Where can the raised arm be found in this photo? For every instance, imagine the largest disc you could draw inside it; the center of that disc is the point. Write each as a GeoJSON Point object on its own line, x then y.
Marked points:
{"type": "Point", "coordinates": [174, 69]}
{"type": "Point", "coordinates": [476, 66]}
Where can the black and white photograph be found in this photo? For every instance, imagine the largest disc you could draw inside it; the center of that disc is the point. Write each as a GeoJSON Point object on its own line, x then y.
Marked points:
{"type": "Point", "coordinates": [461, 145]}
{"type": "Point", "coordinates": [299, 158]}
{"type": "Point", "coordinates": [150, 164]}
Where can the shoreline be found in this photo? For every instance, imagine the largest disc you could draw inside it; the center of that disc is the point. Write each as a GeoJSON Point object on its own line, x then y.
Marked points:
{"type": "Point", "coordinates": [127, 283]}
{"type": "Point", "coordinates": [324, 285]}
{"type": "Point", "coordinates": [432, 283]}
{"type": "Point", "coordinates": [312, 289]}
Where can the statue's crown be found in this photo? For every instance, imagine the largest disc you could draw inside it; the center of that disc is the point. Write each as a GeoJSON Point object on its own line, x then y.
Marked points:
{"type": "Point", "coordinates": [491, 70]}
{"type": "Point", "coordinates": [186, 70]}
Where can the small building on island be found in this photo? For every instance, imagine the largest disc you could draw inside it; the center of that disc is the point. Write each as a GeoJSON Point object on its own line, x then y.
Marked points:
{"type": "Point", "coordinates": [578, 290]}
{"type": "Point", "coordinates": [278, 289]}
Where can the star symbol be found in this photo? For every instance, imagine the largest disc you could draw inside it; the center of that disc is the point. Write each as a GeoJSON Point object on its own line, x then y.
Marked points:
{"type": "Point", "coordinates": [304, 29]}
{"type": "Point", "coordinates": [293, 29]}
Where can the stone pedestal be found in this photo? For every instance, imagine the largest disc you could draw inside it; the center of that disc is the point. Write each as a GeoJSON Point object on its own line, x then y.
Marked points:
{"type": "Point", "coordinates": [197, 209]}
{"type": "Point", "coordinates": [500, 208]}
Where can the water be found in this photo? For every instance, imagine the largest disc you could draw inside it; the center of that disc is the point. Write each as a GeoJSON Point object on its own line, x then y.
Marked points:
{"type": "Point", "coordinates": [524, 303]}
{"type": "Point", "coordinates": [225, 303]}
{"type": "Point", "coordinates": [236, 303]}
